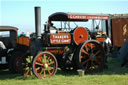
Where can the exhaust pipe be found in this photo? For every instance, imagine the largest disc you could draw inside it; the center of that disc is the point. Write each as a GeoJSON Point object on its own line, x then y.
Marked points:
{"type": "Point", "coordinates": [38, 22]}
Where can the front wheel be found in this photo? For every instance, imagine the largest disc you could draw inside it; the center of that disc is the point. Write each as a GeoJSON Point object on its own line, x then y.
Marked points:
{"type": "Point", "coordinates": [44, 65]}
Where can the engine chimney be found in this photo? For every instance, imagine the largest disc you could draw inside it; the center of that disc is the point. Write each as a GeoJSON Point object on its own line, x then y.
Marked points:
{"type": "Point", "coordinates": [38, 22]}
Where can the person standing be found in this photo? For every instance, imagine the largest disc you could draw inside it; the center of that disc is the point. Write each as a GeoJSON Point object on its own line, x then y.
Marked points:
{"type": "Point", "coordinates": [2, 49]}
{"type": "Point", "coordinates": [2, 46]}
{"type": "Point", "coordinates": [2, 53]}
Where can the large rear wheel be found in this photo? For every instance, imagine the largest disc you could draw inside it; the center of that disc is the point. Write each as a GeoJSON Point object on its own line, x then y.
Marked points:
{"type": "Point", "coordinates": [44, 65]}
{"type": "Point", "coordinates": [91, 56]}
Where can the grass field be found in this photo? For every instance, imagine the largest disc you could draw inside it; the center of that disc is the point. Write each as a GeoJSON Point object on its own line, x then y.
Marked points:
{"type": "Point", "coordinates": [114, 75]}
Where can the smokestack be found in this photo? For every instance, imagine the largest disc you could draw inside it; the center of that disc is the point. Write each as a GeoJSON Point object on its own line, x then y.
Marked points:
{"type": "Point", "coordinates": [38, 22]}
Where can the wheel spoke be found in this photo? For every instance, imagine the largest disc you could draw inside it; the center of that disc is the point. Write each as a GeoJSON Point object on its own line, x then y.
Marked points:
{"type": "Point", "coordinates": [31, 72]}
{"type": "Point", "coordinates": [51, 63]}
{"type": "Point", "coordinates": [41, 64]}
{"type": "Point", "coordinates": [84, 51]}
{"type": "Point", "coordinates": [50, 67]}
{"type": "Point", "coordinates": [91, 46]}
{"type": "Point", "coordinates": [26, 68]}
{"type": "Point", "coordinates": [81, 56]}
{"type": "Point", "coordinates": [45, 58]}
{"type": "Point", "coordinates": [26, 73]}
{"type": "Point", "coordinates": [86, 48]}
{"type": "Point", "coordinates": [42, 71]}
{"type": "Point", "coordinates": [92, 63]}
{"type": "Point", "coordinates": [27, 60]}
{"type": "Point", "coordinates": [86, 66]}
{"type": "Point", "coordinates": [85, 61]}
{"type": "Point", "coordinates": [30, 57]}
{"type": "Point", "coordinates": [48, 59]}
{"type": "Point", "coordinates": [49, 71]}
{"type": "Point", "coordinates": [97, 52]}
{"type": "Point", "coordinates": [37, 68]}
{"type": "Point", "coordinates": [27, 65]}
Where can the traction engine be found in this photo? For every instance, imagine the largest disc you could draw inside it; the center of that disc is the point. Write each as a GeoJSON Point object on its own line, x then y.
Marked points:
{"type": "Point", "coordinates": [69, 50]}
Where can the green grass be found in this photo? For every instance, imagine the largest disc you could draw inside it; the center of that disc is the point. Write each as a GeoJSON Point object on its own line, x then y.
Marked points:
{"type": "Point", "coordinates": [114, 75]}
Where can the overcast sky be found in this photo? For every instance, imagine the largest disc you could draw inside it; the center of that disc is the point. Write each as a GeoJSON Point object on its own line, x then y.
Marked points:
{"type": "Point", "coordinates": [20, 13]}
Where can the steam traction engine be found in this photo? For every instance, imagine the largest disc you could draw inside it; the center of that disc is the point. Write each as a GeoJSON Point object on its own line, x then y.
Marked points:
{"type": "Point", "coordinates": [66, 48]}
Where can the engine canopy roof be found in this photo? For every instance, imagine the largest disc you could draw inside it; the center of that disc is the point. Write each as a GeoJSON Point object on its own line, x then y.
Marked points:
{"type": "Point", "coordinates": [62, 16]}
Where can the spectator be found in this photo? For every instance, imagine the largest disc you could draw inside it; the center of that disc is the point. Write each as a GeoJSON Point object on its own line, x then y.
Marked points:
{"type": "Point", "coordinates": [2, 46]}
{"type": "Point", "coordinates": [2, 49]}
{"type": "Point", "coordinates": [22, 34]}
{"type": "Point", "coordinates": [52, 28]}
{"type": "Point", "coordinates": [107, 44]}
